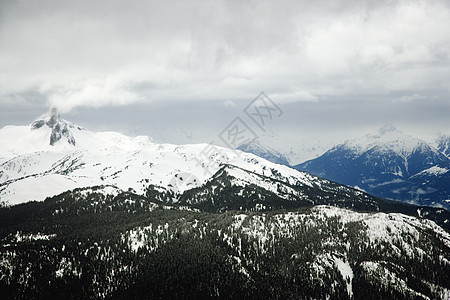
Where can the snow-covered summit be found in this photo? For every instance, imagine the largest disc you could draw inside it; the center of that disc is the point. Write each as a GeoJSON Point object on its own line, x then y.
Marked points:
{"type": "Point", "coordinates": [378, 161]}
{"type": "Point", "coordinates": [388, 138]}
{"type": "Point", "coordinates": [388, 151]}
{"type": "Point", "coordinates": [53, 155]}
{"type": "Point", "coordinates": [52, 133]}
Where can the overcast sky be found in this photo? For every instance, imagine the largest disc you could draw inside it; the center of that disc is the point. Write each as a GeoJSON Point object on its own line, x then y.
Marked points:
{"type": "Point", "coordinates": [335, 68]}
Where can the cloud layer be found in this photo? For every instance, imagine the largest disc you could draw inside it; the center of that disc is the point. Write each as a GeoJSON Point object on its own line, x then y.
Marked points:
{"type": "Point", "coordinates": [94, 54]}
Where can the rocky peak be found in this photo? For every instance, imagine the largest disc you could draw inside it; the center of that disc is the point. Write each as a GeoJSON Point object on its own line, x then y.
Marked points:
{"type": "Point", "coordinates": [60, 128]}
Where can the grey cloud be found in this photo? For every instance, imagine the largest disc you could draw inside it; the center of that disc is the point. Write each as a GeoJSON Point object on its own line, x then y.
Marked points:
{"type": "Point", "coordinates": [76, 54]}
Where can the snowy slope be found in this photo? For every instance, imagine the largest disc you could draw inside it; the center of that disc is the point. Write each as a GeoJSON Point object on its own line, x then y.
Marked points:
{"type": "Point", "coordinates": [121, 205]}
{"type": "Point", "coordinates": [265, 152]}
{"type": "Point", "coordinates": [33, 165]}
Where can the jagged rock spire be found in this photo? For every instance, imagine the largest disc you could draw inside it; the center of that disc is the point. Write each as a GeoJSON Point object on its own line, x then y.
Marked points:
{"type": "Point", "coordinates": [60, 128]}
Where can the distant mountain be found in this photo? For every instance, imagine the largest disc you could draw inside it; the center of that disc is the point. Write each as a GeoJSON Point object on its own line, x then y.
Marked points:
{"type": "Point", "coordinates": [429, 187]}
{"type": "Point", "coordinates": [35, 166]}
{"type": "Point", "coordinates": [443, 145]}
{"type": "Point", "coordinates": [283, 149]}
{"type": "Point", "coordinates": [52, 156]}
{"type": "Point", "coordinates": [265, 152]}
{"type": "Point", "coordinates": [387, 164]}
{"type": "Point", "coordinates": [106, 216]}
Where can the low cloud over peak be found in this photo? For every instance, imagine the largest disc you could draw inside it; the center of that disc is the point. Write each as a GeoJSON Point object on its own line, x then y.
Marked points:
{"type": "Point", "coordinates": [76, 54]}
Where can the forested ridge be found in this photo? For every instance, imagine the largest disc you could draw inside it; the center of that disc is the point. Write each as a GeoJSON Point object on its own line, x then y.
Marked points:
{"type": "Point", "coordinates": [88, 244]}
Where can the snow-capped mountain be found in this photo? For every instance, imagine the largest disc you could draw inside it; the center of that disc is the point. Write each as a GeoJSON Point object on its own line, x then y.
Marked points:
{"type": "Point", "coordinates": [35, 166]}
{"type": "Point", "coordinates": [379, 162]}
{"type": "Point", "coordinates": [443, 144]}
{"type": "Point", "coordinates": [265, 152]}
{"type": "Point", "coordinates": [52, 156]}
{"type": "Point", "coordinates": [124, 217]}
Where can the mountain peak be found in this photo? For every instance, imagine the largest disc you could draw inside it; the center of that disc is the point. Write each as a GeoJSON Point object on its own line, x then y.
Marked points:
{"type": "Point", "coordinates": [59, 127]}
{"type": "Point", "coordinates": [50, 119]}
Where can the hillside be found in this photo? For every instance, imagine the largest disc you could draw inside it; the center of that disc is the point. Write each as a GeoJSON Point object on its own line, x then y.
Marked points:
{"type": "Point", "coordinates": [132, 247]}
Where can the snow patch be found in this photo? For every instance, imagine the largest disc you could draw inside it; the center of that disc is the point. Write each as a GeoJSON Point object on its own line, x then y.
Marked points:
{"type": "Point", "coordinates": [435, 170]}
{"type": "Point", "coordinates": [347, 274]}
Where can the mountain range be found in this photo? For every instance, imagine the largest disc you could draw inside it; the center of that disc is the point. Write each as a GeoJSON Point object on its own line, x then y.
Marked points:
{"type": "Point", "coordinates": [103, 215]}
{"type": "Point", "coordinates": [389, 164]}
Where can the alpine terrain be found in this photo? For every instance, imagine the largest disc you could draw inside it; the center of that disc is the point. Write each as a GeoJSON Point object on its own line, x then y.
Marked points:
{"type": "Point", "coordinates": [443, 144]}
{"type": "Point", "coordinates": [105, 216]}
{"type": "Point", "coordinates": [389, 164]}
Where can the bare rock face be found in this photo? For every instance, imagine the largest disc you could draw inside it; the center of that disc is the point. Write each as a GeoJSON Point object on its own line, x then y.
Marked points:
{"type": "Point", "coordinates": [37, 124]}
{"type": "Point", "coordinates": [60, 128]}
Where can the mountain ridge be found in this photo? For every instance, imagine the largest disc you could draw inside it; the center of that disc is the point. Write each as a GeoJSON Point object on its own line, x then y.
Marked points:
{"type": "Point", "coordinates": [384, 164]}
{"type": "Point", "coordinates": [108, 158]}
{"type": "Point", "coordinates": [122, 217]}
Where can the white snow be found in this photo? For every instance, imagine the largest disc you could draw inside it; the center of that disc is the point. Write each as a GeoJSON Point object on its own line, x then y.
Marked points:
{"type": "Point", "coordinates": [434, 170]}
{"type": "Point", "coordinates": [387, 227]}
{"type": "Point", "coordinates": [347, 274]}
{"type": "Point", "coordinates": [388, 138]}
{"type": "Point", "coordinates": [137, 237]}
{"type": "Point", "coordinates": [239, 219]}
{"type": "Point", "coordinates": [19, 237]}
{"type": "Point", "coordinates": [31, 169]}
{"type": "Point", "coordinates": [380, 272]}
